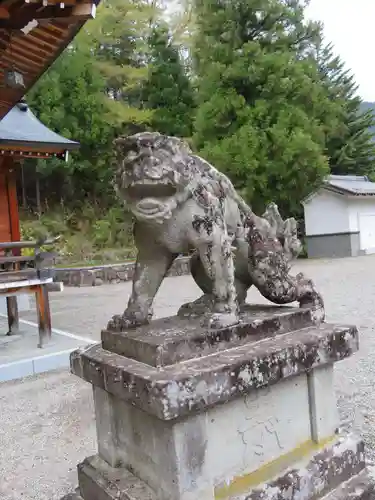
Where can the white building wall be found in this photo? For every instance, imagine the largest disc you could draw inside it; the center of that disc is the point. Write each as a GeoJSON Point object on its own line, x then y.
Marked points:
{"type": "Point", "coordinates": [356, 206]}
{"type": "Point", "coordinates": [327, 213]}
{"type": "Point", "coordinates": [362, 220]}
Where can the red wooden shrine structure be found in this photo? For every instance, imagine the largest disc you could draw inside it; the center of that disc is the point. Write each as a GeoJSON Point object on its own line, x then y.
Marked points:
{"type": "Point", "coordinates": [33, 33]}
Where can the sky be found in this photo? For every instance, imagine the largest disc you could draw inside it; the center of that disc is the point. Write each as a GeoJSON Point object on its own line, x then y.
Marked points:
{"type": "Point", "coordinates": [349, 25]}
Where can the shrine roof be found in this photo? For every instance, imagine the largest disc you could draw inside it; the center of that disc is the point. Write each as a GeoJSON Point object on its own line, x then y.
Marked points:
{"type": "Point", "coordinates": [21, 128]}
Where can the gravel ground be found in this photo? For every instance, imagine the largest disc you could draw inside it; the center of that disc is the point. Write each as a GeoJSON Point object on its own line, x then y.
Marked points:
{"type": "Point", "coordinates": [47, 423]}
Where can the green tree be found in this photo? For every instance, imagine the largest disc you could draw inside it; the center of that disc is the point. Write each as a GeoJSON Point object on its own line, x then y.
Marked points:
{"type": "Point", "coordinates": [263, 113]}
{"type": "Point", "coordinates": [168, 90]}
{"type": "Point", "coordinates": [70, 99]}
{"type": "Point", "coordinates": [91, 94]}
{"type": "Point", "coordinates": [351, 147]}
{"type": "Point", "coordinates": [117, 39]}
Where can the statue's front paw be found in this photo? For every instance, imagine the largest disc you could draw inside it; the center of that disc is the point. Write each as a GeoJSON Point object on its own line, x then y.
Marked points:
{"type": "Point", "coordinates": [120, 323]}
{"type": "Point", "coordinates": [221, 320]}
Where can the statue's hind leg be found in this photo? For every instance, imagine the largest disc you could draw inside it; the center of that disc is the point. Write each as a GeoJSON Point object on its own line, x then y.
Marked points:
{"type": "Point", "coordinates": [205, 302]}
{"type": "Point", "coordinates": [217, 260]}
{"type": "Point", "coordinates": [208, 234]}
{"type": "Point", "coordinates": [199, 274]}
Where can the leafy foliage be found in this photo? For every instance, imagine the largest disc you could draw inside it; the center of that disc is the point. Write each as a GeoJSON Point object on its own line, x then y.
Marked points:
{"type": "Point", "coordinates": [70, 100]}
{"type": "Point", "coordinates": [263, 113]}
{"type": "Point", "coordinates": [168, 90]}
{"type": "Point", "coordinates": [117, 39]}
{"type": "Point", "coordinates": [248, 82]}
{"type": "Point", "coordinates": [87, 235]}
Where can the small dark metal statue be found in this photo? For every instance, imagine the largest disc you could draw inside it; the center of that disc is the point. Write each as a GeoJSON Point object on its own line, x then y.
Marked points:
{"type": "Point", "coordinates": [182, 203]}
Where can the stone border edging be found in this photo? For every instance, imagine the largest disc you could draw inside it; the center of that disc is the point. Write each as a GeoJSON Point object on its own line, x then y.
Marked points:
{"type": "Point", "coordinates": [15, 370]}
{"type": "Point", "coordinates": [110, 273]}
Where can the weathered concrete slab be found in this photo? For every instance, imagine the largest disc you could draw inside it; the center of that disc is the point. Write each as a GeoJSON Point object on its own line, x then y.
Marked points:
{"type": "Point", "coordinates": [194, 385]}
{"type": "Point", "coordinates": [20, 357]}
{"type": "Point", "coordinates": [48, 427]}
{"type": "Point", "coordinates": [170, 340]}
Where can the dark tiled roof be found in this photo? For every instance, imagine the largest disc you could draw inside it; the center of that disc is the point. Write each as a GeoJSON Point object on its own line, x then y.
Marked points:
{"type": "Point", "coordinates": [350, 184]}
{"type": "Point", "coordinates": [21, 127]}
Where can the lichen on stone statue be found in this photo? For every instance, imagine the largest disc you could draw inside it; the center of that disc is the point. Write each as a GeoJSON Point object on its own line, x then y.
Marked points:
{"type": "Point", "coordinates": [181, 203]}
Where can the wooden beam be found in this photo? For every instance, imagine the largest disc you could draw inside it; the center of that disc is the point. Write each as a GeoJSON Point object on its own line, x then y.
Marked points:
{"type": "Point", "coordinates": [35, 47]}
{"type": "Point", "coordinates": [32, 12]}
{"type": "Point", "coordinates": [39, 156]}
{"type": "Point", "coordinates": [34, 149]}
{"type": "Point", "coordinates": [9, 245]}
{"type": "Point", "coordinates": [54, 2]}
{"type": "Point", "coordinates": [21, 63]}
{"type": "Point", "coordinates": [4, 13]}
{"type": "Point", "coordinates": [57, 44]}
{"type": "Point", "coordinates": [4, 39]}
{"type": "Point", "coordinates": [13, 317]}
{"type": "Point", "coordinates": [14, 216]}
{"type": "Point", "coordinates": [49, 13]}
{"type": "Point", "coordinates": [38, 38]}
{"type": "Point", "coordinates": [84, 11]}
{"type": "Point", "coordinates": [44, 315]}
{"type": "Point", "coordinates": [23, 52]}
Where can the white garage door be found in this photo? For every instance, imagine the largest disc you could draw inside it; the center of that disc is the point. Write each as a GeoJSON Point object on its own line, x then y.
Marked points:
{"type": "Point", "coordinates": [367, 232]}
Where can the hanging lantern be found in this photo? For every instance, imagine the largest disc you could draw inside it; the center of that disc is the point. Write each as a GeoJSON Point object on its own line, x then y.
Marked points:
{"type": "Point", "coordinates": [14, 79]}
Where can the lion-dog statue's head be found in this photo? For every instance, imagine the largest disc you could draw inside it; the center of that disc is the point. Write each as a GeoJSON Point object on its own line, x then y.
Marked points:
{"type": "Point", "coordinates": [150, 168]}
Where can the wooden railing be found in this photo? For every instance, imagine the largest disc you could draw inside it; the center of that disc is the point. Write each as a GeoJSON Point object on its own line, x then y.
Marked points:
{"type": "Point", "coordinates": [26, 274]}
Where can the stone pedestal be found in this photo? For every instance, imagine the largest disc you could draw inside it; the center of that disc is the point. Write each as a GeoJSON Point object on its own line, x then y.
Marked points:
{"type": "Point", "coordinates": [247, 412]}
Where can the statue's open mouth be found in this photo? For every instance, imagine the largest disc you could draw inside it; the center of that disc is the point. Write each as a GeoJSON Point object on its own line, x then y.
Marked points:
{"type": "Point", "coordinates": [150, 189]}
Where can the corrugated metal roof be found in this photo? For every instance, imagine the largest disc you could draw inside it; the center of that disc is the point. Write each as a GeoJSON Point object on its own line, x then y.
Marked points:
{"type": "Point", "coordinates": [351, 184]}
{"type": "Point", "coordinates": [21, 127]}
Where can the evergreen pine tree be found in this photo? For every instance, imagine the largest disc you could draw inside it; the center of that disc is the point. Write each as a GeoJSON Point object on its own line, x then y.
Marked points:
{"type": "Point", "coordinates": [350, 148]}
{"type": "Point", "coordinates": [117, 41]}
{"type": "Point", "coordinates": [168, 90]}
{"type": "Point", "coordinates": [263, 113]}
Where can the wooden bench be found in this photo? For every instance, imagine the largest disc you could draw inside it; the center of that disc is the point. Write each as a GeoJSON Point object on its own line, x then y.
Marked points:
{"type": "Point", "coordinates": [25, 274]}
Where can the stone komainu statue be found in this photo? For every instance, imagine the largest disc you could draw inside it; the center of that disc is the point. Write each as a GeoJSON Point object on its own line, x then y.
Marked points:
{"type": "Point", "coordinates": [182, 203]}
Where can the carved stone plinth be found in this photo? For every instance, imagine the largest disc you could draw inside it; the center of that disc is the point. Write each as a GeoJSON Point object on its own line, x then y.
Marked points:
{"type": "Point", "coordinates": [241, 413]}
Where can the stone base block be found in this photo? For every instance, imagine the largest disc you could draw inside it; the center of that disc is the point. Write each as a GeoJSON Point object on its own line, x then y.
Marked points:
{"type": "Point", "coordinates": [241, 413]}
{"type": "Point", "coordinates": [99, 481]}
{"type": "Point", "coordinates": [312, 478]}
{"type": "Point", "coordinates": [337, 472]}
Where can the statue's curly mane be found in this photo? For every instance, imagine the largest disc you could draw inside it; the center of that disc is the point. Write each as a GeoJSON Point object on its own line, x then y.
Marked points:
{"type": "Point", "coordinates": [137, 143]}
{"type": "Point", "coordinates": [190, 171]}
